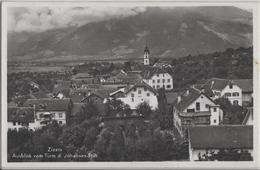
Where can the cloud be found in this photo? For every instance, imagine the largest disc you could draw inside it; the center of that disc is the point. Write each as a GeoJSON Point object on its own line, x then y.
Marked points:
{"type": "Point", "coordinates": [38, 19]}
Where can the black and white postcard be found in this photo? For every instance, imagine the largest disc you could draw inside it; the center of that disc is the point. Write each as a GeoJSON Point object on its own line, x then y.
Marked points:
{"type": "Point", "coordinates": [130, 84]}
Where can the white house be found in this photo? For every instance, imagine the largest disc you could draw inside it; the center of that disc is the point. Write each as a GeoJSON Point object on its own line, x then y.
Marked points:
{"type": "Point", "coordinates": [247, 89]}
{"type": "Point", "coordinates": [210, 140]}
{"type": "Point", "coordinates": [133, 95]}
{"type": "Point", "coordinates": [22, 117]}
{"type": "Point", "coordinates": [217, 88]}
{"type": "Point", "coordinates": [157, 78]}
{"type": "Point", "coordinates": [48, 109]}
{"type": "Point", "coordinates": [193, 107]}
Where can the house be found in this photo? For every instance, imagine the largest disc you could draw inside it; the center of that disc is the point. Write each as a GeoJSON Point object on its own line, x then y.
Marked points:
{"type": "Point", "coordinates": [48, 109]}
{"type": "Point", "coordinates": [193, 107]}
{"type": "Point", "coordinates": [211, 139]}
{"type": "Point", "coordinates": [62, 90]}
{"type": "Point", "coordinates": [217, 88]}
{"type": "Point", "coordinates": [133, 95]}
{"type": "Point", "coordinates": [249, 119]}
{"type": "Point", "coordinates": [21, 117]}
{"type": "Point", "coordinates": [247, 89]}
{"type": "Point", "coordinates": [157, 78]}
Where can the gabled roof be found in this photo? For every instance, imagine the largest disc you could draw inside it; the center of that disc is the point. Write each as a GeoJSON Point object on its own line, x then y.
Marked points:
{"type": "Point", "coordinates": [149, 71]}
{"type": "Point", "coordinates": [39, 94]}
{"type": "Point", "coordinates": [49, 104]}
{"type": "Point", "coordinates": [245, 84]}
{"type": "Point", "coordinates": [20, 114]}
{"type": "Point", "coordinates": [139, 84]}
{"type": "Point", "coordinates": [216, 84]}
{"type": "Point", "coordinates": [187, 99]}
{"type": "Point", "coordinates": [62, 88]}
{"type": "Point", "coordinates": [221, 137]}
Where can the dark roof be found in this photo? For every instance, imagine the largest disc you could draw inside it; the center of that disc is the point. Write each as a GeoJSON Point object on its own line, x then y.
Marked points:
{"type": "Point", "coordinates": [49, 104]}
{"type": "Point", "coordinates": [39, 94]}
{"type": "Point", "coordinates": [171, 97]}
{"type": "Point", "coordinates": [76, 98]}
{"type": "Point", "coordinates": [139, 84]}
{"type": "Point", "coordinates": [82, 76]}
{"type": "Point", "coordinates": [63, 88]}
{"type": "Point", "coordinates": [216, 84]}
{"type": "Point", "coordinates": [76, 107]}
{"type": "Point", "coordinates": [245, 84]}
{"type": "Point", "coordinates": [131, 77]}
{"type": "Point", "coordinates": [187, 98]}
{"type": "Point", "coordinates": [221, 137]}
{"type": "Point", "coordinates": [249, 112]}
{"type": "Point", "coordinates": [20, 114]}
{"type": "Point", "coordinates": [149, 71]}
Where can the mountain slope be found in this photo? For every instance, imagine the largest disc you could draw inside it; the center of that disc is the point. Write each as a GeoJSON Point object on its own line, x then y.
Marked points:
{"type": "Point", "coordinates": [169, 32]}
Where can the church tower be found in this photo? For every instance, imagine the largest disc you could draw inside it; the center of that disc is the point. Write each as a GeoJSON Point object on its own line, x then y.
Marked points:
{"type": "Point", "coordinates": [146, 56]}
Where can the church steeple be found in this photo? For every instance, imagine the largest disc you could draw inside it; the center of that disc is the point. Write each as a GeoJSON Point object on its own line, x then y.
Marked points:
{"type": "Point", "coordinates": [146, 55]}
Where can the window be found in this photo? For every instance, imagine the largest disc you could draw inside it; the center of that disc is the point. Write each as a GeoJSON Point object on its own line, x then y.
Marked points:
{"type": "Point", "coordinates": [190, 110]}
{"type": "Point", "coordinates": [60, 115]}
{"type": "Point", "coordinates": [134, 89]}
{"type": "Point", "coordinates": [154, 86]}
{"type": "Point", "coordinates": [60, 122]}
{"type": "Point", "coordinates": [235, 102]}
{"type": "Point", "coordinates": [169, 80]}
{"type": "Point", "coordinates": [197, 106]}
{"type": "Point", "coordinates": [227, 94]}
{"type": "Point", "coordinates": [163, 75]}
{"type": "Point", "coordinates": [215, 121]}
{"type": "Point", "coordinates": [214, 109]}
{"type": "Point", "coordinates": [145, 89]}
{"type": "Point", "coordinates": [132, 95]}
{"type": "Point", "coordinates": [231, 86]}
{"type": "Point", "coordinates": [158, 86]}
{"type": "Point", "coordinates": [14, 123]}
{"type": "Point", "coordinates": [133, 99]}
{"type": "Point", "coordinates": [169, 86]}
{"type": "Point", "coordinates": [139, 92]}
{"type": "Point", "coordinates": [148, 94]}
{"type": "Point", "coordinates": [163, 80]}
{"type": "Point", "coordinates": [153, 81]}
{"type": "Point", "coordinates": [235, 94]}
{"type": "Point", "coordinates": [158, 81]}
{"type": "Point", "coordinates": [157, 75]}
{"type": "Point", "coordinates": [19, 123]}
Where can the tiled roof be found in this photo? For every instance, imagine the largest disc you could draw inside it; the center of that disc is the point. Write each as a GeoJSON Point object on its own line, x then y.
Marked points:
{"type": "Point", "coordinates": [245, 84]}
{"type": "Point", "coordinates": [49, 104]}
{"type": "Point", "coordinates": [221, 137]}
{"type": "Point", "coordinates": [149, 71]}
{"type": "Point", "coordinates": [216, 84]}
{"type": "Point", "coordinates": [139, 84]}
{"type": "Point", "coordinates": [63, 88]}
{"type": "Point", "coordinates": [82, 76]}
{"type": "Point", "coordinates": [20, 114]}
{"type": "Point", "coordinates": [40, 94]}
{"type": "Point", "coordinates": [187, 99]}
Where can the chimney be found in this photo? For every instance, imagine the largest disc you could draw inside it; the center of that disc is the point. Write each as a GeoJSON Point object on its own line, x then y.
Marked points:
{"type": "Point", "coordinates": [212, 83]}
{"type": "Point", "coordinates": [179, 99]}
{"type": "Point", "coordinates": [187, 92]}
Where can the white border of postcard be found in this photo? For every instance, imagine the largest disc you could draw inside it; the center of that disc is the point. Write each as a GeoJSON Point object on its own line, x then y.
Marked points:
{"type": "Point", "coordinates": [112, 165]}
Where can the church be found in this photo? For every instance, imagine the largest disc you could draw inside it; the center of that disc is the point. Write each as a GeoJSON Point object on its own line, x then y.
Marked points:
{"type": "Point", "coordinates": [155, 76]}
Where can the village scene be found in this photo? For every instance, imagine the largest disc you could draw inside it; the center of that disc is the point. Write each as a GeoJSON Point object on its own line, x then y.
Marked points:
{"type": "Point", "coordinates": [197, 107]}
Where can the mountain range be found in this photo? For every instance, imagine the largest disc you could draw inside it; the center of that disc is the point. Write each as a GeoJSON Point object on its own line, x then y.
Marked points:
{"type": "Point", "coordinates": [168, 32]}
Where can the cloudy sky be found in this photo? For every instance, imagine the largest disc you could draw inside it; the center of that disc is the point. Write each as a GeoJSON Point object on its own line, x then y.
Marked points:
{"type": "Point", "coordinates": [38, 19]}
{"type": "Point", "coordinates": [45, 18]}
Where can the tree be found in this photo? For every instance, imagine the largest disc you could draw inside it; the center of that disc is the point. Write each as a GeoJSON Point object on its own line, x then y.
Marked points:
{"type": "Point", "coordinates": [144, 109]}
